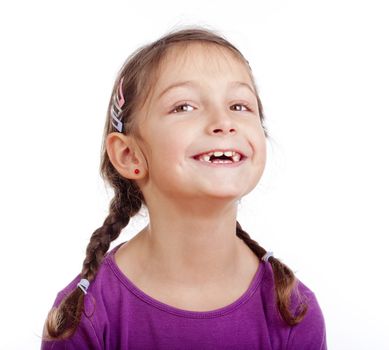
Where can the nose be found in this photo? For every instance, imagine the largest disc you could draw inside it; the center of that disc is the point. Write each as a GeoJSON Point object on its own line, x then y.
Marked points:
{"type": "Point", "coordinates": [221, 123]}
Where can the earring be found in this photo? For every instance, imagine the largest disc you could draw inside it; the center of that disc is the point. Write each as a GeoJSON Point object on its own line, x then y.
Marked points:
{"type": "Point", "coordinates": [136, 171]}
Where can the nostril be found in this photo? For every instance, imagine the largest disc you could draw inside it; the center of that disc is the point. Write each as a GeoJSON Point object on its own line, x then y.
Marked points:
{"type": "Point", "coordinates": [221, 130]}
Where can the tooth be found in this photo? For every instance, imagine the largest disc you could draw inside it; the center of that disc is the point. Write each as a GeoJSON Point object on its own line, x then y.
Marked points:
{"type": "Point", "coordinates": [218, 154]}
{"type": "Point", "coordinates": [228, 153]}
{"type": "Point", "coordinates": [206, 158]}
{"type": "Point", "coordinates": [222, 161]}
{"type": "Point", "coordinates": [236, 158]}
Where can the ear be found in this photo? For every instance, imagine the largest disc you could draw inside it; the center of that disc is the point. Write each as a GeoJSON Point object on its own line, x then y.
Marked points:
{"type": "Point", "coordinates": [125, 155]}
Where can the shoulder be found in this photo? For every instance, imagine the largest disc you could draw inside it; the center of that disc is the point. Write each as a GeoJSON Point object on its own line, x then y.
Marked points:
{"type": "Point", "coordinates": [310, 333]}
{"type": "Point", "coordinates": [93, 320]}
{"type": "Point", "coordinates": [86, 334]}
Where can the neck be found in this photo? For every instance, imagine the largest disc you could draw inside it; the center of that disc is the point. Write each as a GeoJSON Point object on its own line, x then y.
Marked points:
{"type": "Point", "coordinates": [191, 247]}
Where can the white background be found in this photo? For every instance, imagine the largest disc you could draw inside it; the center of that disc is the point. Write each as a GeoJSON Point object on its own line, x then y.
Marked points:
{"type": "Point", "coordinates": [321, 206]}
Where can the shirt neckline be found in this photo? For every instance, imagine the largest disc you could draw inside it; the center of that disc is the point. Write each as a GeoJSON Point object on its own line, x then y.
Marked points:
{"type": "Point", "coordinates": [182, 312]}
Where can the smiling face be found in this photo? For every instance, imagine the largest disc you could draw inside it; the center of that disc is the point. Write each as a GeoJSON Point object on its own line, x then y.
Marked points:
{"type": "Point", "coordinates": [203, 101]}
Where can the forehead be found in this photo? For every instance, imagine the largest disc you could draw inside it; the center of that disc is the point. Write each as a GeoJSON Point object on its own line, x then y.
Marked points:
{"type": "Point", "coordinates": [200, 62]}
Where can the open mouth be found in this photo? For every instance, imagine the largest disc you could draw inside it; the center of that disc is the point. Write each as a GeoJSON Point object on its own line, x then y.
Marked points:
{"type": "Point", "coordinates": [220, 157]}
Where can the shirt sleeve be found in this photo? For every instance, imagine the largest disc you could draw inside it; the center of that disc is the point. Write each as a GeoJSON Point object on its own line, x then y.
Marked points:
{"type": "Point", "coordinates": [310, 333]}
{"type": "Point", "coordinates": [85, 336]}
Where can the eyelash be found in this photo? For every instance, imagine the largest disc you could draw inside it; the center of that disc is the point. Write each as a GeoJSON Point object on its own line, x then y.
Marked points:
{"type": "Point", "coordinates": [187, 104]}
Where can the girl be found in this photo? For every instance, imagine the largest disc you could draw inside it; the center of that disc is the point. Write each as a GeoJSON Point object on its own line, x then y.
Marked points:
{"type": "Point", "coordinates": [184, 137]}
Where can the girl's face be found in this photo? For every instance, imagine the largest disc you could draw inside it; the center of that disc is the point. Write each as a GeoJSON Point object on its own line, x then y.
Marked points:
{"type": "Point", "coordinates": [203, 101]}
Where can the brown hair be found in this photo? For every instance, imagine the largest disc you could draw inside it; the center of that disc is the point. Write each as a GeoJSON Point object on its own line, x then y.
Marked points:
{"type": "Point", "coordinates": [139, 72]}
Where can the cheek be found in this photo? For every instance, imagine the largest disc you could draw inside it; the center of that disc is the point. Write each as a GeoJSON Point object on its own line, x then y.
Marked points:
{"type": "Point", "coordinates": [262, 148]}
{"type": "Point", "coordinates": [169, 149]}
{"type": "Point", "coordinates": [259, 145]}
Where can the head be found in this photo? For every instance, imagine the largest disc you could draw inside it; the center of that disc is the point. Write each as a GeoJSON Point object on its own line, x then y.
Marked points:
{"type": "Point", "coordinates": [163, 133]}
{"type": "Point", "coordinates": [157, 135]}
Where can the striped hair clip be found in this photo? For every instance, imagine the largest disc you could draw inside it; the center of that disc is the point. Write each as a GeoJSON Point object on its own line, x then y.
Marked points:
{"type": "Point", "coordinates": [116, 108]}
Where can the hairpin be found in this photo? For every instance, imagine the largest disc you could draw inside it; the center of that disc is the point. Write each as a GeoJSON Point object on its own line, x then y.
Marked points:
{"type": "Point", "coordinates": [116, 108]}
{"type": "Point", "coordinates": [267, 256]}
{"type": "Point", "coordinates": [83, 285]}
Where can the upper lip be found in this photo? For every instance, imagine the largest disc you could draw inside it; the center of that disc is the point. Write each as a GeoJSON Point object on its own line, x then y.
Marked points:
{"type": "Point", "coordinates": [220, 150]}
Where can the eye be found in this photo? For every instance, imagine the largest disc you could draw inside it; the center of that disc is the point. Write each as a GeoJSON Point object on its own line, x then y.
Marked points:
{"type": "Point", "coordinates": [183, 107]}
{"type": "Point", "coordinates": [242, 105]}
{"type": "Point", "coordinates": [178, 108]}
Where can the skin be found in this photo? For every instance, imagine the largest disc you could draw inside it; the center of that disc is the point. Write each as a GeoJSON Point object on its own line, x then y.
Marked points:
{"type": "Point", "coordinates": [190, 245]}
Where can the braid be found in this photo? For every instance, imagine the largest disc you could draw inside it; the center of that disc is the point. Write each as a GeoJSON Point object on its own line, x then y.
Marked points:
{"type": "Point", "coordinates": [101, 239]}
{"type": "Point", "coordinates": [283, 277]}
{"type": "Point", "coordinates": [63, 321]}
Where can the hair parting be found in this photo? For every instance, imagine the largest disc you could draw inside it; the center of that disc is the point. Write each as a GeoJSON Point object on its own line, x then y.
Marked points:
{"type": "Point", "coordinates": [136, 79]}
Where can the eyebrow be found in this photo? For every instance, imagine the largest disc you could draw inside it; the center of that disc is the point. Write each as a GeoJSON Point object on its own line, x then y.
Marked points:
{"type": "Point", "coordinates": [192, 83]}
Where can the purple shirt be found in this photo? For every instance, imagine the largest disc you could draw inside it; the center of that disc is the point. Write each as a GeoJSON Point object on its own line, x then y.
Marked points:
{"type": "Point", "coordinates": [118, 315]}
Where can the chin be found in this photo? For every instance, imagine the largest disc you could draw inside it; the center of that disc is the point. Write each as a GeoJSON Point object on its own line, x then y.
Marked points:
{"type": "Point", "coordinates": [224, 195]}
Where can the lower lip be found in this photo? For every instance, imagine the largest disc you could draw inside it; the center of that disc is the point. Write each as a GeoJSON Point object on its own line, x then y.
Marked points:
{"type": "Point", "coordinates": [221, 165]}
